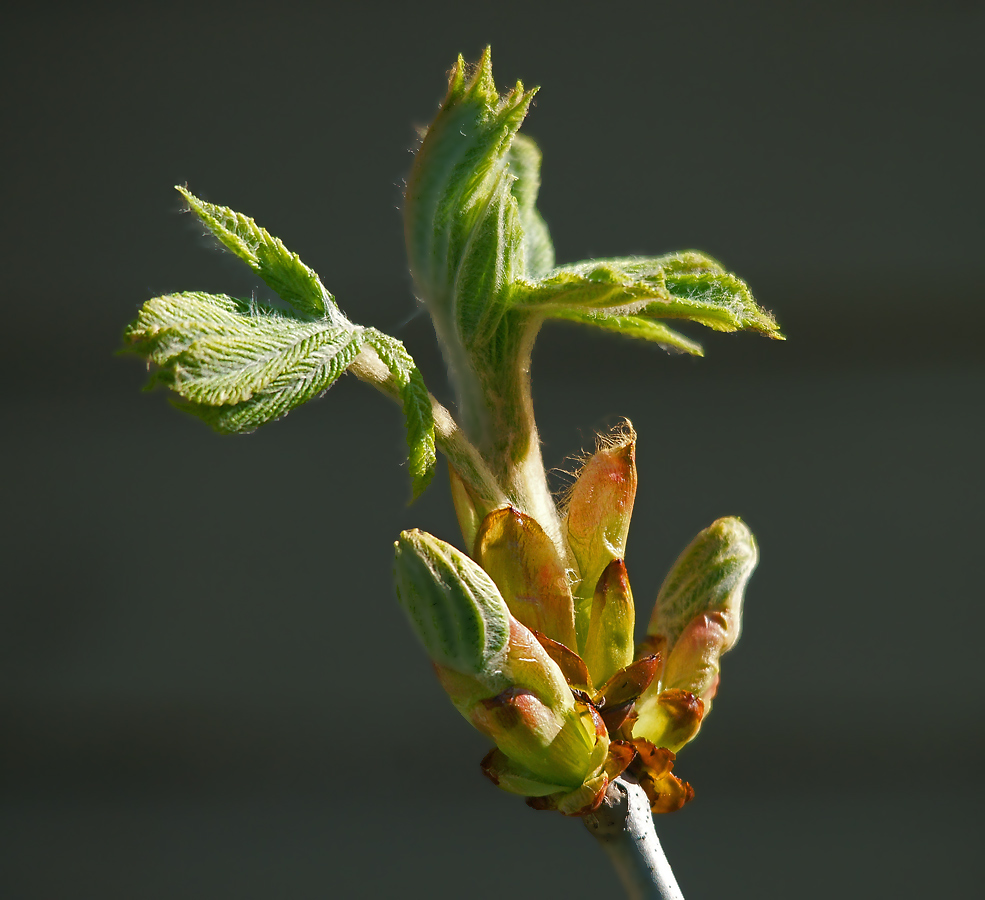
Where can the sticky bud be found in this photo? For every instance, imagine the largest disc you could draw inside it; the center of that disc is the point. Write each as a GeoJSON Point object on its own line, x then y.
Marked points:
{"type": "Point", "coordinates": [609, 644]}
{"type": "Point", "coordinates": [599, 510]}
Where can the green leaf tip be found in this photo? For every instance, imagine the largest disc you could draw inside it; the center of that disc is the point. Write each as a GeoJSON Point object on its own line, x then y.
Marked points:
{"type": "Point", "coordinates": [282, 271]}
{"type": "Point", "coordinates": [460, 214]}
{"type": "Point", "coordinates": [475, 83]}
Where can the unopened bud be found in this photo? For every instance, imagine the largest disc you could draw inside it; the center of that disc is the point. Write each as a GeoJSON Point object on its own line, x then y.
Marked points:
{"type": "Point", "coordinates": [523, 561]}
{"type": "Point", "coordinates": [493, 668]}
{"type": "Point", "coordinates": [599, 510]}
{"type": "Point", "coordinates": [453, 605]}
{"type": "Point", "coordinates": [609, 644]}
{"type": "Point", "coordinates": [697, 618]}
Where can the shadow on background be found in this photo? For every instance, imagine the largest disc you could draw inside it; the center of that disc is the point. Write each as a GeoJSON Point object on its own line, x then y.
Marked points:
{"type": "Point", "coordinates": [205, 685]}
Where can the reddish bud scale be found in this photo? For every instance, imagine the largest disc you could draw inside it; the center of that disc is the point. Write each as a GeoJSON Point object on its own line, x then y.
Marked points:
{"type": "Point", "coordinates": [524, 563]}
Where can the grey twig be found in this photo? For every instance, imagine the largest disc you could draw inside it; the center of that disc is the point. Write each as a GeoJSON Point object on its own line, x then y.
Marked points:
{"type": "Point", "coordinates": [623, 825]}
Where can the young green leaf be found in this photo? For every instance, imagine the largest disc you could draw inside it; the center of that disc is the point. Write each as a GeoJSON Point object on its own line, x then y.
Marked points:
{"type": "Point", "coordinates": [720, 300]}
{"type": "Point", "coordinates": [524, 160]}
{"type": "Point", "coordinates": [686, 285]}
{"type": "Point", "coordinates": [282, 270]}
{"type": "Point", "coordinates": [461, 216]}
{"type": "Point", "coordinates": [237, 364]}
{"type": "Point", "coordinates": [635, 327]}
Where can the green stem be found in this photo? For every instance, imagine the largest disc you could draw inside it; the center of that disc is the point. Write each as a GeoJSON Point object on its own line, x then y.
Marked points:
{"type": "Point", "coordinates": [493, 392]}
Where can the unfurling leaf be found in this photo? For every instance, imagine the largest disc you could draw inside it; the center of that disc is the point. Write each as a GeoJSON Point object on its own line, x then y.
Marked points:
{"type": "Point", "coordinates": [418, 416]}
{"type": "Point", "coordinates": [463, 223]}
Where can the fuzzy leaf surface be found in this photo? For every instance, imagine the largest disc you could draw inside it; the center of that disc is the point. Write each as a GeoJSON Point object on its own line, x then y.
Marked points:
{"type": "Point", "coordinates": [635, 327]}
{"type": "Point", "coordinates": [686, 285]}
{"type": "Point", "coordinates": [238, 364]}
{"type": "Point", "coordinates": [709, 577]}
{"type": "Point", "coordinates": [452, 604]}
{"type": "Point", "coordinates": [462, 219]}
{"type": "Point", "coordinates": [282, 271]}
{"type": "Point", "coordinates": [418, 416]}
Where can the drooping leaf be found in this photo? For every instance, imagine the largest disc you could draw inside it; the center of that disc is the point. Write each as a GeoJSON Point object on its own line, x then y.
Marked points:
{"type": "Point", "coordinates": [418, 415]}
{"type": "Point", "coordinates": [281, 269]}
{"type": "Point", "coordinates": [419, 419]}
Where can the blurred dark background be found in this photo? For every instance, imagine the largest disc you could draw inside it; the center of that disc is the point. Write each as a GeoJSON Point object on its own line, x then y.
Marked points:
{"type": "Point", "coordinates": [206, 687]}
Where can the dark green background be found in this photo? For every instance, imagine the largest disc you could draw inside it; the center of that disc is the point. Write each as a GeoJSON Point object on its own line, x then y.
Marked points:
{"type": "Point", "coordinates": [206, 687]}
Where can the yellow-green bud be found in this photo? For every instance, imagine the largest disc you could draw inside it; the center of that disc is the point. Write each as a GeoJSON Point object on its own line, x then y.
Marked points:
{"type": "Point", "coordinates": [697, 618]}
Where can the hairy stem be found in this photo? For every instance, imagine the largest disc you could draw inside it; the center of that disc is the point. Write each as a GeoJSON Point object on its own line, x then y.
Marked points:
{"type": "Point", "coordinates": [448, 436]}
{"type": "Point", "coordinates": [623, 825]}
{"type": "Point", "coordinates": [492, 386]}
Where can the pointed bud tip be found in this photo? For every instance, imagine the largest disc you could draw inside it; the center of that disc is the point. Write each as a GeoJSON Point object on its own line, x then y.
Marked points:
{"type": "Point", "coordinates": [614, 579]}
